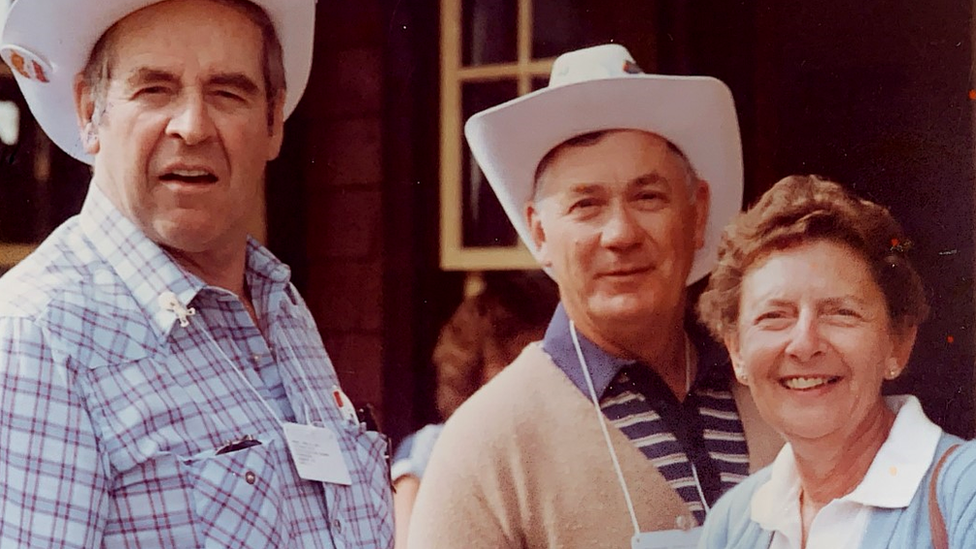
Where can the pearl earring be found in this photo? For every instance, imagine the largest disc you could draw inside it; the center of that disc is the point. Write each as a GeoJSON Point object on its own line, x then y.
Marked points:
{"type": "Point", "coordinates": [893, 369]}
{"type": "Point", "coordinates": [742, 376]}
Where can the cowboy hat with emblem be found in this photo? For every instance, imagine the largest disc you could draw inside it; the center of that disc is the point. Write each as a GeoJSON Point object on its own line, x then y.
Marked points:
{"type": "Point", "coordinates": [47, 43]}
{"type": "Point", "coordinates": [602, 88]}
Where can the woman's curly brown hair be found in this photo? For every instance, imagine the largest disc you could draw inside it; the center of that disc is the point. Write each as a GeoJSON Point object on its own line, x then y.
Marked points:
{"type": "Point", "coordinates": [801, 209]}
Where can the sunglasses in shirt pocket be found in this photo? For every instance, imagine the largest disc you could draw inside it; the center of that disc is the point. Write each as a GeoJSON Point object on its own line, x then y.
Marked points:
{"type": "Point", "coordinates": [237, 495]}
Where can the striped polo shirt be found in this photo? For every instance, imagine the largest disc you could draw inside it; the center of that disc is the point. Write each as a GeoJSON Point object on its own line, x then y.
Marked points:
{"type": "Point", "coordinates": [698, 445]}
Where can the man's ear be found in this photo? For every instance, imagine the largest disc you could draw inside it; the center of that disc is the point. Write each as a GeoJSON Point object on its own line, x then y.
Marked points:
{"type": "Point", "coordinates": [277, 127]}
{"type": "Point", "coordinates": [703, 203]}
{"type": "Point", "coordinates": [84, 98]}
{"type": "Point", "coordinates": [738, 366]}
{"type": "Point", "coordinates": [538, 233]}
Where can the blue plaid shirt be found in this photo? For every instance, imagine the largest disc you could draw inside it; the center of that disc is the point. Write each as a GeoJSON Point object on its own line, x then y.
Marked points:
{"type": "Point", "coordinates": [111, 411]}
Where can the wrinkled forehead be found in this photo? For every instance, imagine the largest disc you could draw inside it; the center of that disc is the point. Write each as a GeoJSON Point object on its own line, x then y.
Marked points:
{"type": "Point", "coordinates": [227, 22]}
{"type": "Point", "coordinates": [168, 34]}
{"type": "Point", "coordinates": [579, 163]}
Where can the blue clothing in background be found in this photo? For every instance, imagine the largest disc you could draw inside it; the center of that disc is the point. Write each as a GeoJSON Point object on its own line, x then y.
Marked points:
{"type": "Point", "coordinates": [412, 455]}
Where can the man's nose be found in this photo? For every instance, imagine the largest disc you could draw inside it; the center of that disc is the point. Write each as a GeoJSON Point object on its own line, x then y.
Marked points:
{"type": "Point", "coordinates": [621, 229]}
{"type": "Point", "coordinates": [192, 121]}
{"type": "Point", "coordinates": [805, 339]}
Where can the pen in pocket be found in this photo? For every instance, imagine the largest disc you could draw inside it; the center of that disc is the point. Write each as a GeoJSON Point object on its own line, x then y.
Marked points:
{"type": "Point", "coordinates": [242, 443]}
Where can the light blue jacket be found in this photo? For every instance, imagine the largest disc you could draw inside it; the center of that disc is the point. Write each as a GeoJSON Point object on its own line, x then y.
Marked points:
{"type": "Point", "coordinates": [729, 525]}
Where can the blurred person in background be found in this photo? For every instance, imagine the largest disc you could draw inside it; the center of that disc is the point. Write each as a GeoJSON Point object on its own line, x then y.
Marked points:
{"type": "Point", "coordinates": [487, 331]}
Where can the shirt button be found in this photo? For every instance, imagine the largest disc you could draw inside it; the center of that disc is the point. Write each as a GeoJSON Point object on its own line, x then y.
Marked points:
{"type": "Point", "coordinates": [250, 477]}
{"type": "Point", "coordinates": [255, 359]}
{"type": "Point", "coordinates": [337, 524]}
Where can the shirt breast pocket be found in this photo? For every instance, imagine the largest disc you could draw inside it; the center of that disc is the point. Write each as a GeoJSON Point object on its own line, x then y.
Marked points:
{"type": "Point", "coordinates": [161, 437]}
{"type": "Point", "coordinates": [372, 476]}
{"type": "Point", "coordinates": [237, 496]}
{"type": "Point", "coordinates": [142, 411]}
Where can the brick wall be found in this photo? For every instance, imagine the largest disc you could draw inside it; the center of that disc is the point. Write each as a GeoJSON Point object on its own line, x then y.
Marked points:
{"type": "Point", "coordinates": [342, 153]}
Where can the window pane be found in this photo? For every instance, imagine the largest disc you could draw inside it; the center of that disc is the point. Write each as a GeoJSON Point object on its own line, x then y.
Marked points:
{"type": "Point", "coordinates": [30, 209]}
{"type": "Point", "coordinates": [484, 221]}
{"type": "Point", "coordinates": [490, 33]}
{"type": "Point", "coordinates": [563, 25]}
{"type": "Point", "coordinates": [19, 200]}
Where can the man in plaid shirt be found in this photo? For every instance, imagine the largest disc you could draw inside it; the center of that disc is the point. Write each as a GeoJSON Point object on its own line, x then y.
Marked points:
{"type": "Point", "coordinates": [162, 384]}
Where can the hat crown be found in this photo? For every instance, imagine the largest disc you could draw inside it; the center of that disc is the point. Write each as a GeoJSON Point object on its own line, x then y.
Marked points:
{"type": "Point", "coordinates": [595, 63]}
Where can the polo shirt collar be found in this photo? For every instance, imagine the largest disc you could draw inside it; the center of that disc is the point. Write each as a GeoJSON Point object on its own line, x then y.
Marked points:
{"type": "Point", "coordinates": [558, 343]}
{"type": "Point", "coordinates": [891, 481]}
{"type": "Point", "coordinates": [713, 361]}
{"type": "Point", "coordinates": [903, 460]}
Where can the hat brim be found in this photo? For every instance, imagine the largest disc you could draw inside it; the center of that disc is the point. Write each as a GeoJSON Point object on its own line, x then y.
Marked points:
{"type": "Point", "coordinates": [695, 113]}
{"type": "Point", "coordinates": [62, 34]}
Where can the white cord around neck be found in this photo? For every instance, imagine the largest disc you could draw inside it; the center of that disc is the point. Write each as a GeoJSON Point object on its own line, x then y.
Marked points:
{"type": "Point", "coordinates": [170, 302]}
{"type": "Point", "coordinates": [603, 426]}
{"type": "Point", "coordinates": [276, 415]}
{"type": "Point", "coordinates": [606, 432]}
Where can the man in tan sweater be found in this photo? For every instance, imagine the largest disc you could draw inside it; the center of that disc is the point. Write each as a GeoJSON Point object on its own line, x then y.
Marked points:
{"type": "Point", "coordinates": [623, 425]}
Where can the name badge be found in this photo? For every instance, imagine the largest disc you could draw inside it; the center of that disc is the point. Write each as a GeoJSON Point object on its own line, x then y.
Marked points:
{"type": "Point", "coordinates": [667, 539]}
{"type": "Point", "coordinates": [316, 454]}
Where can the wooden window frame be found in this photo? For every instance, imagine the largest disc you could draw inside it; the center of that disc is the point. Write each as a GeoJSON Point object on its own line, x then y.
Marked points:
{"type": "Point", "coordinates": [455, 256]}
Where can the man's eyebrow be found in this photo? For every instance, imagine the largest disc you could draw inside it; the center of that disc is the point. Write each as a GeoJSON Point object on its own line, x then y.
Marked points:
{"type": "Point", "coordinates": [236, 80]}
{"type": "Point", "coordinates": [650, 179]}
{"type": "Point", "coordinates": [583, 188]}
{"type": "Point", "coordinates": [143, 75]}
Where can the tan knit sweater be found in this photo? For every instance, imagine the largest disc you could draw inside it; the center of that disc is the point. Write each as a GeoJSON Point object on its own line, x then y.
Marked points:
{"type": "Point", "coordinates": [523, 464]}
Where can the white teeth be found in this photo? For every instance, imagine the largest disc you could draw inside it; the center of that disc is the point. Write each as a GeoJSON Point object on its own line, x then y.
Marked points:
{"type": "Point", "coordinates": [806, 382]}
{"type": "Point", "coordinates": [190, 173]}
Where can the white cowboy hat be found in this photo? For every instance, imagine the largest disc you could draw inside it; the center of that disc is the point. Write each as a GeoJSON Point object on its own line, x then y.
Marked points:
{"type": "Point", "coordinates": [601, 88]}
{"type": "Point", "coordinates": [48, 42]}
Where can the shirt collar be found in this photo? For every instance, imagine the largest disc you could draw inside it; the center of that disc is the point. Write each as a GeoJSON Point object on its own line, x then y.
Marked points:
{"type": "Point", "coordinates": [147, 271]}
{"type": "Point", "coordinates": [776, 504]}
{"type": "Point", "coordinates": [903, 459]}
{"type": "Point", "coordinates": [713, 360]}
{"type": "Point", "coordinates": [266, 276]}
{"type": "Point", "coordinates": [891, 481]}
{"type": "Point", "coordinates": [558, 343]}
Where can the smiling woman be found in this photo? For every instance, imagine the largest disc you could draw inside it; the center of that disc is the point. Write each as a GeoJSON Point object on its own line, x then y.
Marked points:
{"type": "Point", "coordinates": [818, 304]}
